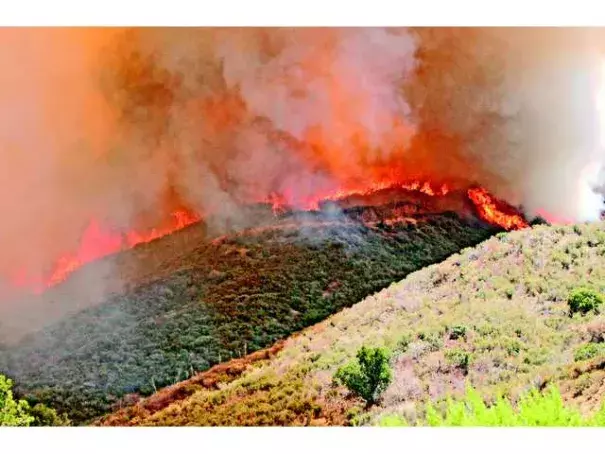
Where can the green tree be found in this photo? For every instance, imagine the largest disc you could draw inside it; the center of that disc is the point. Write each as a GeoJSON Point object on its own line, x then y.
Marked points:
{"type": "Point", "coordinates": [12, 412]}
{"type": "Point", "coordinates": [584, 301]}
{"type": "Point", "coordinates": [367, 376]}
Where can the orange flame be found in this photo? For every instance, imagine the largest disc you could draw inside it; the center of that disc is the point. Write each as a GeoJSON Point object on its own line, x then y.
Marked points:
{"type": "Point", "coordinates": [489, 210]}
{"type": "Point", "coordinates": [425, 188]}
{"type": "Point", "coordinates": [279, 202]}
{"type": "Point", "coordinates": [98, 242]}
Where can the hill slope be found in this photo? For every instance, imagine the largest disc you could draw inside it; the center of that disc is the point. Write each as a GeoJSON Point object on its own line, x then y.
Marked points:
{"type": "Point", "coordinates": [509, 293]}
{"type": "Point", "coordinates": [223, 299]}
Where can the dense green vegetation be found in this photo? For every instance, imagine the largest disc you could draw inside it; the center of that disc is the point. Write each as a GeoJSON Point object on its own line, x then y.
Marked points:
{"type": "Point", "coordinates": [225, 300]}
{"type": "Point", "coordinates": [494, 317]}
{"type": "Point", "coordinates": [534, 409]}
{"type": "Point", "coordinates": [18, 412]}
{"type": "Point", "coordinates": [583, 301]}
{"type": "Point", "coordinates": [12, 412]}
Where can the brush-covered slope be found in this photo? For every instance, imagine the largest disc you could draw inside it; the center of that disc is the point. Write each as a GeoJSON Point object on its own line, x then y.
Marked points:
{"type": "Point", "coordinates": [223, 299]}
{"type": "Point", "coordinates": [502, 303]}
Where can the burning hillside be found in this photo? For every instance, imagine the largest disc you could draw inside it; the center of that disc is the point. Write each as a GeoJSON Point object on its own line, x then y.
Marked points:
{"type": "Point", "coordinates": [193, 300]}
{"type": "Point", "coordinates": [98, 241]}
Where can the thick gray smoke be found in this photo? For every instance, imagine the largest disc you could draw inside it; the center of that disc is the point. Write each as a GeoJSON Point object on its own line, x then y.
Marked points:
{"type": "Point", "coordinates": [122, 126]}
{"type": "Point", "coordinates": [307, 111]}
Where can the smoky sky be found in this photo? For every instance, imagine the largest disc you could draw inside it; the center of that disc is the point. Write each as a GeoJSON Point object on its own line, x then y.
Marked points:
{"type": "Point", "coordinates": [123, 125]}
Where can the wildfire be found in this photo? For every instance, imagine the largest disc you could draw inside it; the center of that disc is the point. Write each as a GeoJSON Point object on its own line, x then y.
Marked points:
{"type": "Point", "coordinates": [489, 210]}
{"type": "Point", "coordinates": [424, 187]}
{"type": "Point", "coordinates": [98, 241]}
{"type": "Point", "coordinates": [279, 202]}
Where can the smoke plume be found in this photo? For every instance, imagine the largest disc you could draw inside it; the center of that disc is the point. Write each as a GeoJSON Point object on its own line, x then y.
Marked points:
{"type": "Point", "coordinates": [125, 126]}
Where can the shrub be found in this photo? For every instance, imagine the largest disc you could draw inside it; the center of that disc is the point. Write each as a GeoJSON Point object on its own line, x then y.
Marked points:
{"type": "Point", "coordinates": [392, 421]}
{"type": "Point", "coordinates": [584, 301]}
{"type": "Point", "coordinates": [369, 375]}
{"type": "Point", "coordinates": [539, 220]}
{"type": "Point", "coordinates": [45, 416]}
{"type": "Point", "coordinates": [511, 345]}
{"type": "Point", "coordinates": [404, 342]}
{"type": "Point", "coordinates": [534, 409]}
{"type": "Point", "coordinates": [458, 358]}
{"type": "Point", "coordinates": [587, 351]}
{"type": "Point", "coordinates": [434, 340]}
{"type": "Point", "coordinates": [536, 356]}
{"type": "Point", "coordinates": [457, 332]}
{"type": "Point", "coordinates": [12, 412]}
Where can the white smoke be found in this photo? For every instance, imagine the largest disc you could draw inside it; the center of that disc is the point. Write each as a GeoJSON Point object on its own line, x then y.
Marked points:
{"type": "Point", "coordinates": [523, 105]}
{"type": "Point", "coordinates": [562, 126]}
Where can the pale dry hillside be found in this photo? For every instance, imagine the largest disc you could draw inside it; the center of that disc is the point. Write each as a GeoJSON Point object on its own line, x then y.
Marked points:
{"type": "Point", "coordinates": [500, 307]}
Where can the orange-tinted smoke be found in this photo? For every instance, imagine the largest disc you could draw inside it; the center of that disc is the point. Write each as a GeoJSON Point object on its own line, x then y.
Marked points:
{"type": "Point", "coordinates": [55, 130]}
{"type": "Point", "coordinates": [107, 133]}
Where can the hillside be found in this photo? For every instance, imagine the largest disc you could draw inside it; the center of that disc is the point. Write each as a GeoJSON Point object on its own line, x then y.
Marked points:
{"type": "Point", "coordinates": [508, 296]}
{"type": "Point", "coordinates": [190, 307]}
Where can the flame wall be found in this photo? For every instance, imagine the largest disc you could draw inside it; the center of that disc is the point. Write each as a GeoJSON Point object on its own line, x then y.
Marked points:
{"type": "Point", "coordinates": [120, 128]}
